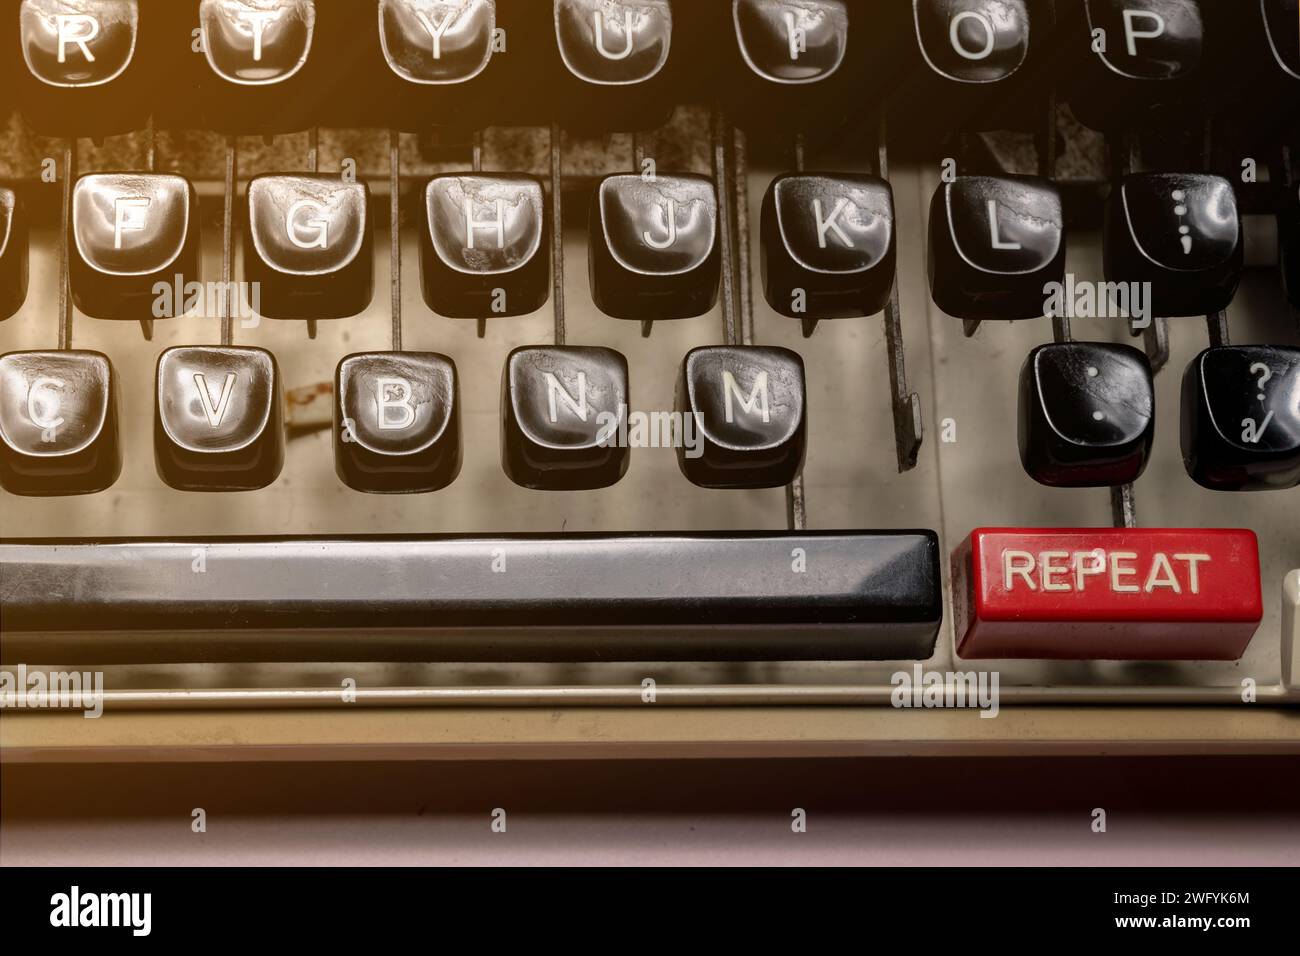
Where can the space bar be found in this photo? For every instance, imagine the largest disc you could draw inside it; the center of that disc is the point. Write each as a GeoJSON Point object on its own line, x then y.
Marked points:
{"type": "Point", "coordinates": [671, 597]}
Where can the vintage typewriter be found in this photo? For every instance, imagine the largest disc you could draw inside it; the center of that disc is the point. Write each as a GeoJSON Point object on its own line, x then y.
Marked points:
{"type": "Point", "coordinates": [615, 377]}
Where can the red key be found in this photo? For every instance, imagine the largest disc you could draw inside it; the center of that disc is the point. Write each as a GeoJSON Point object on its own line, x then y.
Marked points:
{"type": "Point", "coordinates": [1106, 593]}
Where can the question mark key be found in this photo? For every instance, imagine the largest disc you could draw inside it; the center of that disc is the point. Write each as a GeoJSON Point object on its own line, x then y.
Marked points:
{"type": "Point", "coordinates": [1241, 418]}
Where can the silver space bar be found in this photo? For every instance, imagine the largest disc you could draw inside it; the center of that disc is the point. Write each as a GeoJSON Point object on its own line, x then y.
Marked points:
{"type": "Point", "coordinates": [665, 597]}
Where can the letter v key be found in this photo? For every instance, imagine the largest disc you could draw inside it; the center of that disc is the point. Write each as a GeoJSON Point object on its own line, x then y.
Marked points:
{"type": "Point", "coordinates": [217, 413]}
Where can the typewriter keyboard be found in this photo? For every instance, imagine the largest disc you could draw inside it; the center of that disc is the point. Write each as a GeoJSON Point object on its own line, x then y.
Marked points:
{"type": "Point", "coordinates": [383, 356]}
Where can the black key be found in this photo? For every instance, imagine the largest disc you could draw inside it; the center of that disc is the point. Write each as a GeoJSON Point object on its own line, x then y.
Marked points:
{"type": "Point", "coordinates": [1179, 232]}
{"type": "Point", "coordinates": [308, 246]}
{"type": "Point", "coordinates": [397, 422]}
{"type": "Point", "coordinates": [437, 63]}
{"type": "Point", "coordinates": [1278, 109]}
{"type": "Point", "coordinates": [560, 410]}
{"type": "Point", "coordinates": [972, 63]}
{"type": "Point", "coordinates": [131, 231]}
{"type": "Point", "coordinates": [219, 418]}
{"type": "Point", "coordinates": [484, 246]}
{"type": "Point", "coordinates": [8, 64]}
{"type": "Point", "coordinates": [995, 242]}
{"type": "Point", "coordinates": [1289, 246]}
{"type": "Point", "coordinates": [13, 254]}
{"type": "Point", "coordinates": [653, 247]}
{"type": "Point", "coordinates": [83, 69]}
{"type": "Point", "coordinates": [1087, 414]}
{"type": "Point", "coordinates": [1256, 69]}
{"type": "Point", "coordinates": [1136, 62]}
{"type": "Point", "coordinates": [791, 65]}
{"type": "Point", "coordinates": [828, 245]}
{"type": "Point", "coordinates": [684, 597]}
{"type": "Point", "coordinates": [268, 66]}
{"type": "Point", "coordinates": [747, 405]}
{"type": "Point", "coordinates": [616, 64]}
{"type": "Point", "coordinates": [58, 423]}
{"type": "Point", "coordinates": [1241, 418]}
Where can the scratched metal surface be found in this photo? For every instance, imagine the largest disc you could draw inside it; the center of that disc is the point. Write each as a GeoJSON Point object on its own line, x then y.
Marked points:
{"type": "Point", "coordinates": [851, 479]}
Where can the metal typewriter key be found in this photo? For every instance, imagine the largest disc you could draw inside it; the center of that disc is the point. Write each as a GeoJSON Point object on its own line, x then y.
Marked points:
{"type": "Point", "coordinates": [397, 422]}
{"type": "Point", "coordinates": [561, 411]}
{"type": "Point", "coordinates": [13, 254]}
{"type": "Point", "coordinates": [1256, 68]}
{"type": "Point", "coordinates": [615, 66]}
{"type": "Point", "coordinates": [1106, 594]}
{"type": "Point", "coordinates": [792, 64]}
{"type": "Point", "coordinates": [828, 245]}
{"type": "Point", "coordinates": [130, 231]}
{"type": "Point", "coordinates": [308, 246]}
{"type": "Point", "coordinates": [653, 247]}
{"type": "Point", "coordinates": [82, 69]}
{"type": "Point", "coordinates": [1289, 245]}
{"type": "Point", "coordinates": [58, 423]}
{"type": "Point", "coordinates": [1133, 59]}
{"type": "Point", "coordinates": [747, 406]}
{"type": "Point", "coordinates": [219, 418]}
{"type": "Point", "coordinates": [484, 249]}
{"type": "Point", "coordinates": [1241, 418]}
{"type": "Point", "coordinates": [268, 66]}
{"type": "Point", "coordinates": [435, 64]}
{"type": "Point", "coordinates": [968, 62]}
{"type": "Point", "coordinates": [1279, 111]}
{"type": "Point", "coordinates": [1087, 414]}
{"type": "Point", "coordinates": [994, 243]}
{"type": "Point", "coordinates": [1179, 232]}
{"type": "Point", "coordinates": [8, 63]}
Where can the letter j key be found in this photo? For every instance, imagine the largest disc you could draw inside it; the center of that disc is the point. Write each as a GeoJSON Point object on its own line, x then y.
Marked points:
{"type": "Point", "coordinates": [653, 247]}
